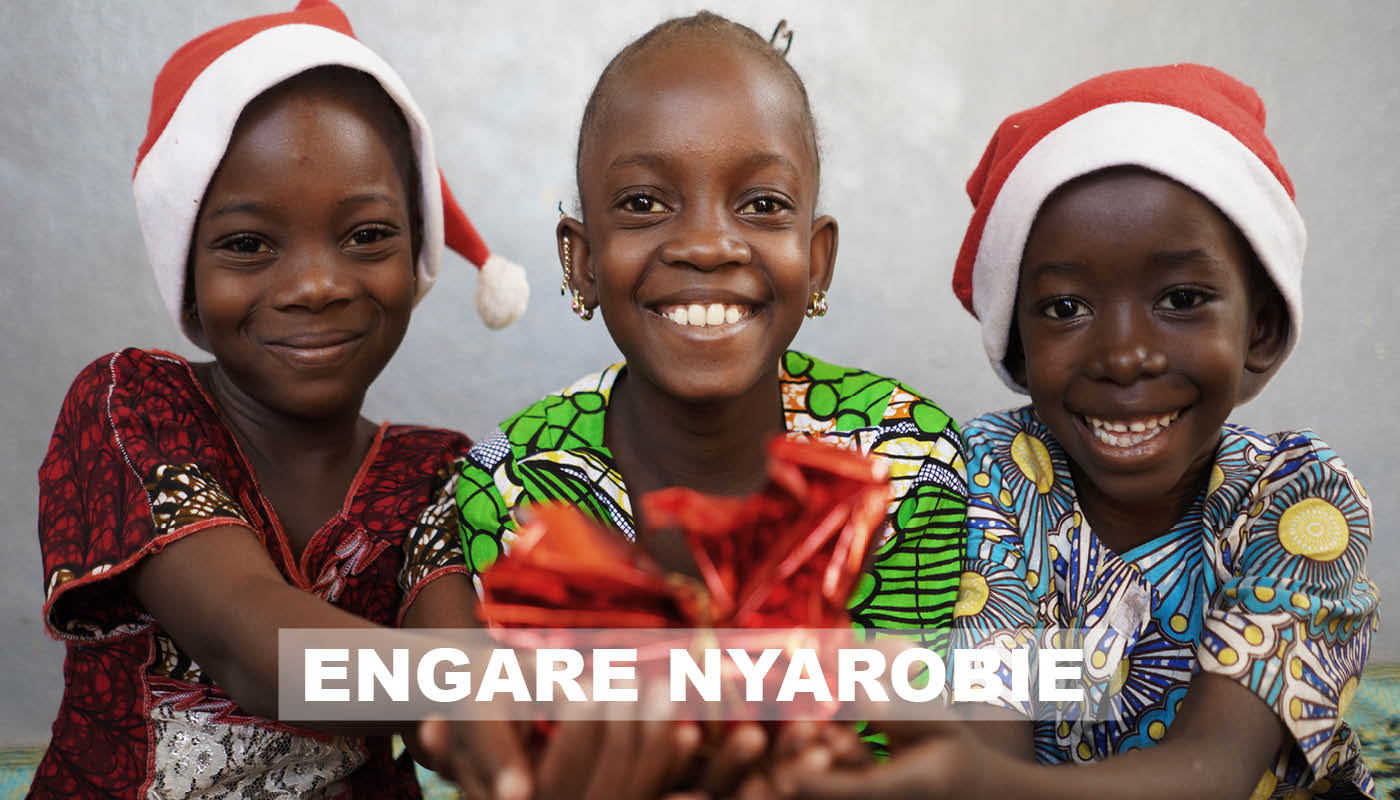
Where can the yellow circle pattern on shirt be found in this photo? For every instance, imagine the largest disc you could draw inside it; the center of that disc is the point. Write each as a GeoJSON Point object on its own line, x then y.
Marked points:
{"type": "Point", "coordinates": [1033, 459]}
{"type": "Point", "coordinates": [972, 594]}
{"type": "Point", "coordinates": [1314, 528]}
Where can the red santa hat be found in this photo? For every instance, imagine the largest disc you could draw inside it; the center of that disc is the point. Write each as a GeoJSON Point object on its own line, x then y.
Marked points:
{"type": "Point", "coordinates": [198, 97]}
{"type": "Point", "coordinates": [1193, 124]}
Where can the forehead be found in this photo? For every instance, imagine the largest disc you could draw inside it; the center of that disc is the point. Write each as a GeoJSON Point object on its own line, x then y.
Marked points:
{"type": "Point", "coordinates": [1132, 210]}
{"type": "Point", "coordinates": [699, 96]}
{"type": "Point", "coordinates": [328, 117]}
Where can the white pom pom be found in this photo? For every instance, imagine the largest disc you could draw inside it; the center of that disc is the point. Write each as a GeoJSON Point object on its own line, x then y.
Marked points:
{"type": "Point", "coordinates": [502, 292]}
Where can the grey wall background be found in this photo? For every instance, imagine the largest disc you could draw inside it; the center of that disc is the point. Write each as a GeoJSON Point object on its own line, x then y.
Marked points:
{"type": "Point", "coordinates": [906, 95]}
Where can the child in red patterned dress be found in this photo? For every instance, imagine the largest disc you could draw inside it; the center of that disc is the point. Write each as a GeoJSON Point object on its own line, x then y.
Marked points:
{"type": "Point", "coordinates": [291, 204]}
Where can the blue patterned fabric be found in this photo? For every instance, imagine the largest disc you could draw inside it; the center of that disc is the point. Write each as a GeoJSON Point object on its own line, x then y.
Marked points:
{"type": "Point", "coordinates": [1262, 581]}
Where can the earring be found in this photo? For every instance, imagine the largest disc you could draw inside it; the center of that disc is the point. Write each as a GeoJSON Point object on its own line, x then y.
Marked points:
{"type": "Point", "coordinates": [576, 302]}
{"type": "Point", "coordinates": [817, 306]}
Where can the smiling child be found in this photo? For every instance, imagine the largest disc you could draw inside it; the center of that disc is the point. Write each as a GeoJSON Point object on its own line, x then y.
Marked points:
{"type": "Point", "coordinates": [293, 214]}
{"type": "Point", "coordinates": [700, 243]}
{"type": "Point", "coordinates": [1135, 260]}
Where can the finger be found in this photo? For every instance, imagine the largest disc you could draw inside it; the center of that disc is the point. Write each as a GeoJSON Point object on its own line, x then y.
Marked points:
{"type": "Point", "coordinates": [615, 761]}
{"type": "Point", "coordinates": [738, 752]}
{"type": "Point", "coordinates": [484, 757]}
{"type": "Point", "coordinates": [849, 784]}
{"type": "Point", "coordinates": [568, 758]}
{"type": "Point", "coordinates": [786, 775]}
{"type": "Point", "coordinates": [665, 750]}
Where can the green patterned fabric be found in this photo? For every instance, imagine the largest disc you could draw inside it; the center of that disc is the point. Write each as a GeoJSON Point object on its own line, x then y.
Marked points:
{"type": "Point", "coordinates": [553, 451]}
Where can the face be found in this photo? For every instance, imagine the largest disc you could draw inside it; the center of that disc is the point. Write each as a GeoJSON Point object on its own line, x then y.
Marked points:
{"type": "Point", "coordinates": [1140, 332]}
{"type": "Point", "coordinates": [700, 246]}
{"type": "Point", "coordinates": [302, 256]}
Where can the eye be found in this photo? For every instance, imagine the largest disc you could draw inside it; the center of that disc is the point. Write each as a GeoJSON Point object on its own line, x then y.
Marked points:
{"type": "Point", "coordinates": [371, 234]}
{"type": "Point", "coordinates": [1064, 308]}
{"type": "Point", "coordinates": [767, 204]}
{"type": "Point", "coordinates": [1182, 299]}
{"type": "Point", "coordinates": [243, 244]}
{"type": "Point", "coordinates": [642, 203]}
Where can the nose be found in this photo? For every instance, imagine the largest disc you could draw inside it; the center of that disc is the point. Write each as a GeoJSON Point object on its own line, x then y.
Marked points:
{"type": "Point", "coordinates": [706, 238]}
{"type": "Point", "coordinates": [312, 279]}
{"type": "Point", "coordinates": [1126, 348]}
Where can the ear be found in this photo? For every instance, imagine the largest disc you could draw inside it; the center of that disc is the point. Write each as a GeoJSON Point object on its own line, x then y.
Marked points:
{"type": "Point", "coordinates": [572, 238]}
{"type": "Point", "coordinates": [1268, 333]}
{"type": "Point", "coordinates": [821, 261]}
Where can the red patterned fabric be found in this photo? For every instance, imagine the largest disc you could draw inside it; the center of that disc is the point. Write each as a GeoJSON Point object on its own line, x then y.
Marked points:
{"type": "Point", "coordinates": [138, 459]}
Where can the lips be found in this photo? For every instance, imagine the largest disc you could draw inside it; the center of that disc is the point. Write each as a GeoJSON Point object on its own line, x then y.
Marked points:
{"type": "Point", "coordinates": [1129, 431]}
{"type": "Point", "coordinates": [316, 349]}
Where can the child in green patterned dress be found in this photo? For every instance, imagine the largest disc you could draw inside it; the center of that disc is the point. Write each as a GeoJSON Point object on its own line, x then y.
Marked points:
{"type": "Point", "coordinates": [699, 242]}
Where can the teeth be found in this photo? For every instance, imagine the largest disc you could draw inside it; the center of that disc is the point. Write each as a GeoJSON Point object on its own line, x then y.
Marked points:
{"type": "Point", "coordinates": [1128, 433]}
{"type": "Point", "coordinates": [702, 316]}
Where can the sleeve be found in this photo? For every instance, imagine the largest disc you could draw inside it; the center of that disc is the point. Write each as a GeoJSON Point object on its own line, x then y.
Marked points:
{"type": "Point", "coordinates": [994, 609]}
{"type": "Point", "coordinates": [131, 467]}
{"type": "Point", "coordinates": [1293, 621]}
{"type": "Point", "coordinates": [485, 528]}
{"type": "Point", "coordinates": [432, 547]}
{"type": "Point", "coordinates": [912, 583]}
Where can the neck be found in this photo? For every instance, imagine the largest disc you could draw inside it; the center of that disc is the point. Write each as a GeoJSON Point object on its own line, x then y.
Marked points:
{"type": "Point", "coordinates": [281, 441]}
{"type": "Point", "coordinates": [1123, 524]}
{"type": "Point", "coordinates": [716, 447]}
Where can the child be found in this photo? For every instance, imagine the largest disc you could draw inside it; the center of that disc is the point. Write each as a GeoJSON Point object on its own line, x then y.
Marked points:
{"type": "Point", "coordinates": [293, 212]}
{"type": "Point", "coordinates": [1135, 260]}
{"type": "Point", "coordinates": [700, 244]}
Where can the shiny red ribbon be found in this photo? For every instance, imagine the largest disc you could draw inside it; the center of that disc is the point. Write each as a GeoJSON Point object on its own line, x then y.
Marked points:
{"type": "Point", "coordinates": [788, 556]}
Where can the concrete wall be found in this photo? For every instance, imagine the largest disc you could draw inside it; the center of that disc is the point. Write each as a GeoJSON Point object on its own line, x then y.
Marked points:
{"type": "Point", "coordinates": [906, 95]}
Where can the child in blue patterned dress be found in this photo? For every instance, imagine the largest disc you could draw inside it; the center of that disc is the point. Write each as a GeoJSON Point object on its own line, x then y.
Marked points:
{"type": "Point", "coordinates": [1134, 259]}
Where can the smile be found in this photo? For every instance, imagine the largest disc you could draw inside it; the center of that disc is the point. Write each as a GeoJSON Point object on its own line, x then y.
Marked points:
{"type": "Point", "coordinates": [318, 350]}
{"type": "Point", "coordinates": [705, 316]}
{"type": "Point", "coordinates": [1129, 432]}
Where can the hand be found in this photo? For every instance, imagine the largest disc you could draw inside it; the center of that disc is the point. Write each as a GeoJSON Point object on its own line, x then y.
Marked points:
{"type": "Point", "coordinates": [483, 757]}
{"type": "Point", "coordinates": [947, 760]}
{"type": "Point", "coordinates": [624, 759]}
{"type": "Point", "coordinates": [803, 748]}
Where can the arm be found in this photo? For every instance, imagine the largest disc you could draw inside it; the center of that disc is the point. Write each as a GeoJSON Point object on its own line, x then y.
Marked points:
{"type": "Point", "coordinates": [218, 594]}
{"type": "Point", "coordinates": [1220, 744]}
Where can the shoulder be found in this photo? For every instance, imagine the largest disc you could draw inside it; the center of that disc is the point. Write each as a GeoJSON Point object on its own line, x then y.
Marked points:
{"type": "Point", "coordinates": [569, 418]}
{"type": "Point", "coordinates": [422, 447]}
{"type": "Point", "coordinates": [1274, 477]}
{"type": "Point", "coordinates": [832, 397]}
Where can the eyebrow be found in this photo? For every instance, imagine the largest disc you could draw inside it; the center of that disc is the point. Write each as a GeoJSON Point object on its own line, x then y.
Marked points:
{"type": "Point", "coordinates": [254, 207]}
{"type": "Point", "coordinates": [1054, 268]}
{"type": "Point", "coordinates": [655, 161]}
{"type": "Point", "coordinates": [1174, 258]}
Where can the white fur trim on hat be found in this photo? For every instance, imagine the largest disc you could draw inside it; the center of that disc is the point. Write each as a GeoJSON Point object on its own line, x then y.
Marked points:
{"type": "Point", "coordinates": [502, 292]}
{"type": "Point", "coordinates": [1164, 139]}
{"type": "Point", "coordinates": [171, 180]}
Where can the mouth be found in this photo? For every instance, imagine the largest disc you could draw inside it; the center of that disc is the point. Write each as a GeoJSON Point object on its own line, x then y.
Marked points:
{"type": "Point", "coordinates": [319, 349]}
{"type": "Point", "coordinates": [1128, 432]}
{"type": "Point", "coordinates": [705, 315]}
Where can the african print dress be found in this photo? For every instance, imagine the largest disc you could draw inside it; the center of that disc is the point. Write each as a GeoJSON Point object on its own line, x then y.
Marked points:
{"type": "Point", "coordinates": [1263, 582]}
{"type": "Point", "coordinates": [553, 451]}
{"type": "Point", "coordinates": [140, 459]}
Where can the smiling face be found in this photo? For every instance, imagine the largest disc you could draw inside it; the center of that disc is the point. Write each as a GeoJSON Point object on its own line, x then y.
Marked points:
{"type": "Point", "coordinates": [698, 185]}
{"type": "Point", "coordinates": [303, 256]}
{"type": "Point", "coordinates": [1142, 320]}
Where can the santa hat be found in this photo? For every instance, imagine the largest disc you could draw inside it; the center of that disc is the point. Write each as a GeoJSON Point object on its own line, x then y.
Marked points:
{"type": "Point", "coordinates": [198, 97]}
{"type": "Point", "coordinates": [1193, 124]}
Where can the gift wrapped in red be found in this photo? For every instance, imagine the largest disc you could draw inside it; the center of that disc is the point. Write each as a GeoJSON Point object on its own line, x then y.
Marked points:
{"type": "Point", "coordinates": [788, 556]}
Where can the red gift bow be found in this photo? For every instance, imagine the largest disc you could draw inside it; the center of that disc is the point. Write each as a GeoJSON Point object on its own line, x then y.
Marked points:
{"type": "Point", "coordinates": [788, 556]}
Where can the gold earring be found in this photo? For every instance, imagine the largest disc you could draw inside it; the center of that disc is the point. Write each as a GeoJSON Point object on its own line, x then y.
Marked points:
{"type": "Point", "coordinates": [817, 306]}
{"type": "Point", "coordinates": [576, 302]}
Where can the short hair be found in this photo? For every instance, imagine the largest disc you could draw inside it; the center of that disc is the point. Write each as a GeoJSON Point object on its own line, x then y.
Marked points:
{"type": "Point", "coordinates": [703, 24]}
